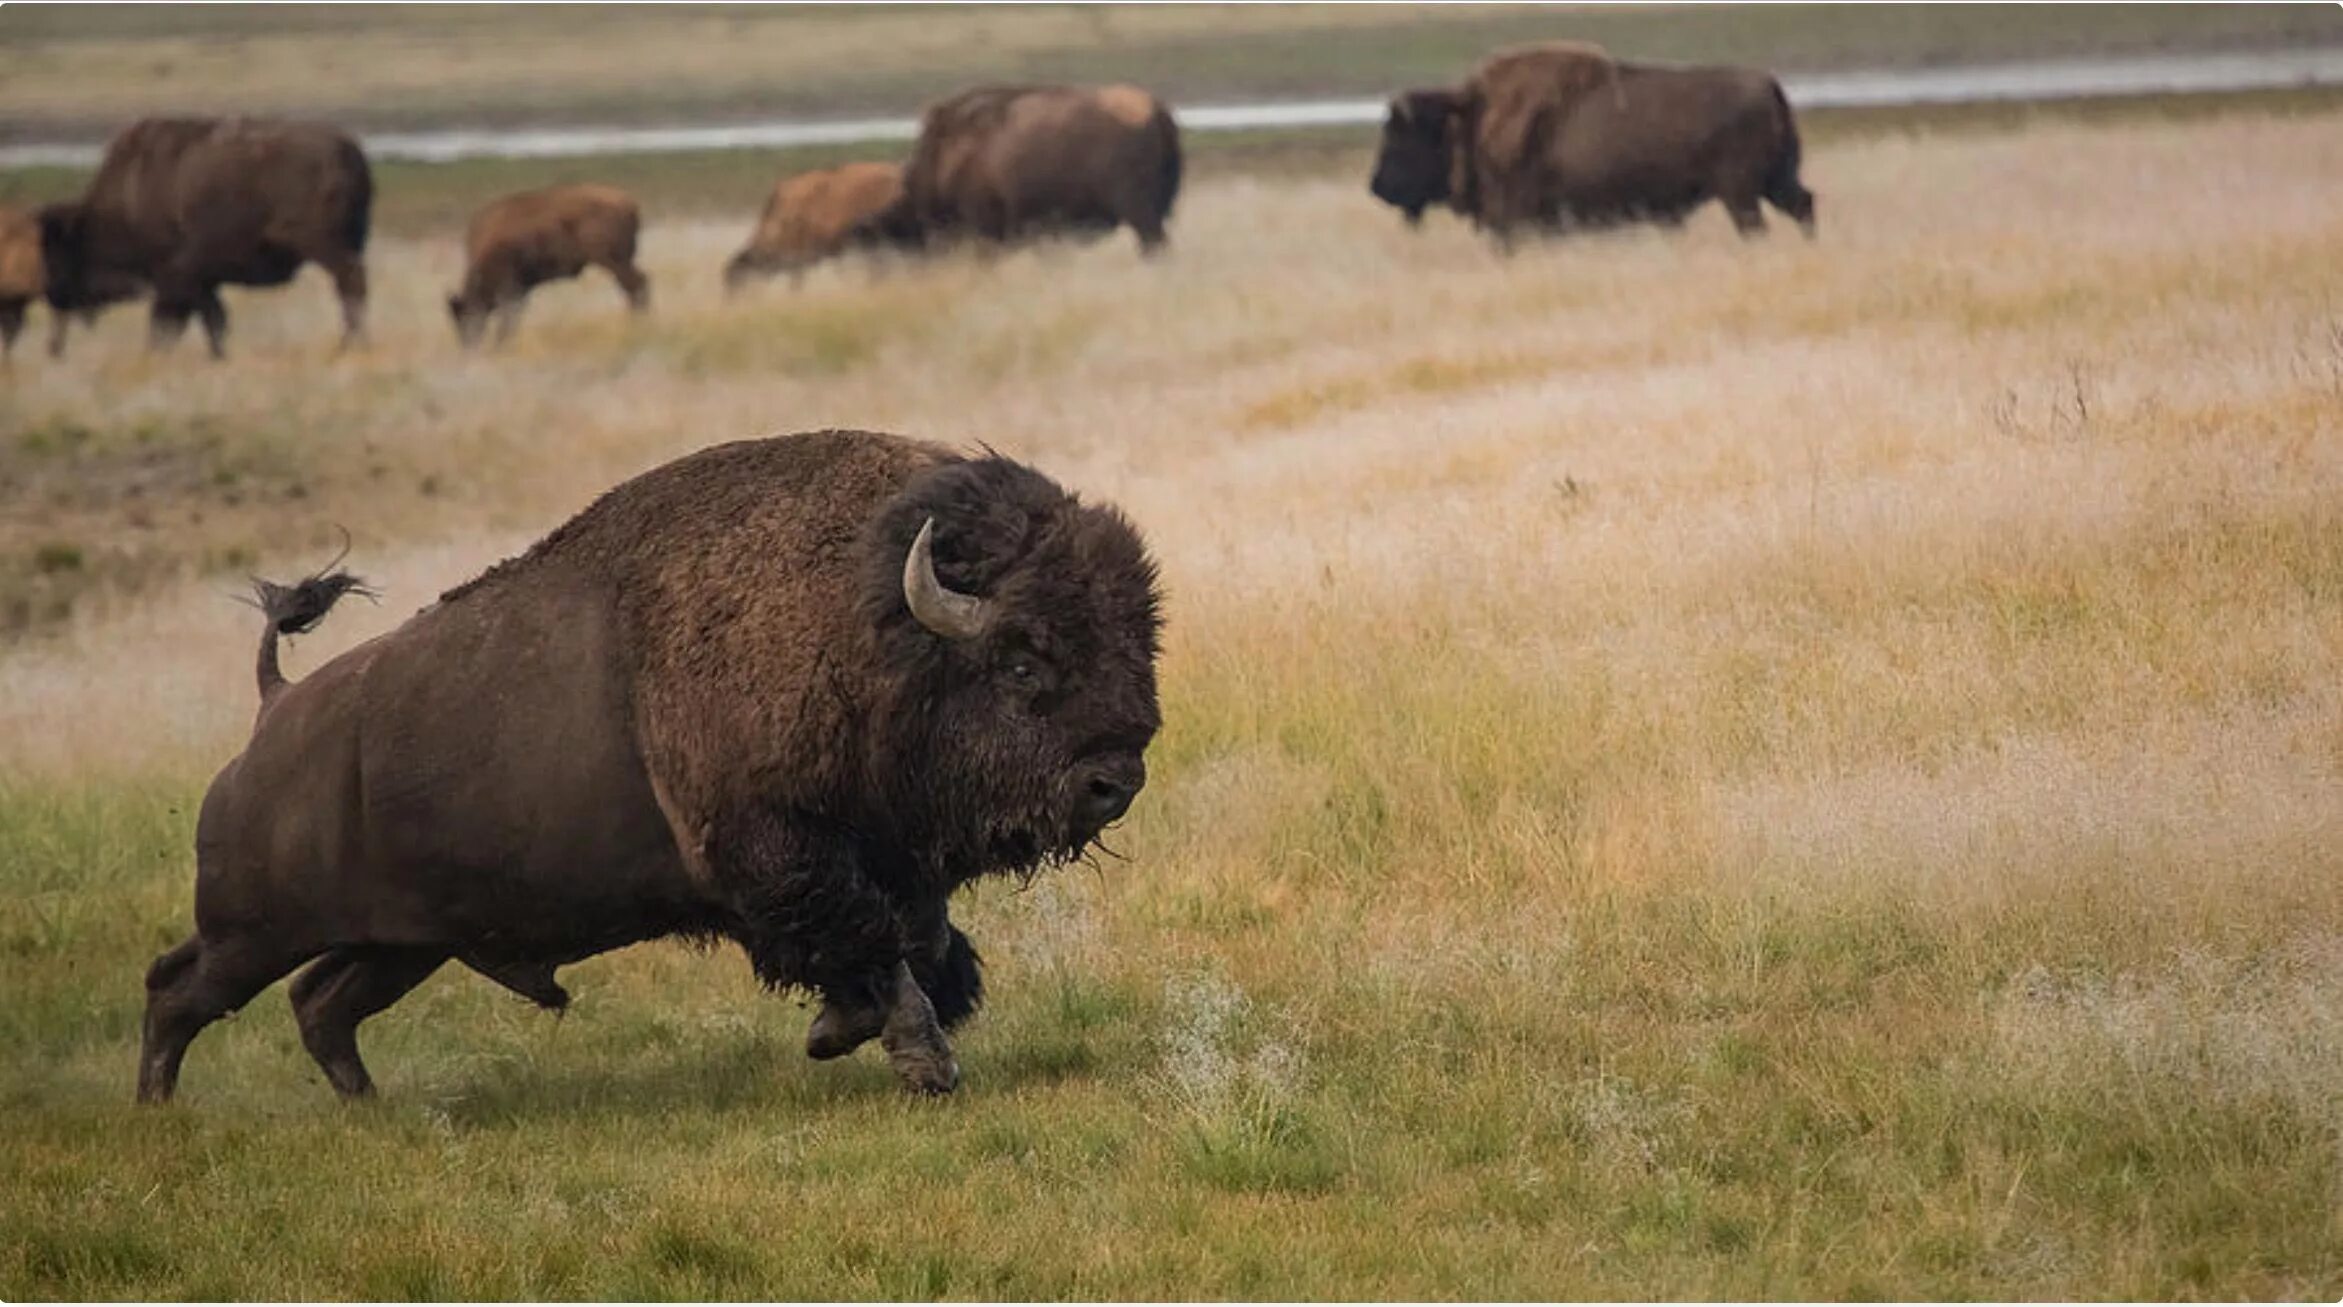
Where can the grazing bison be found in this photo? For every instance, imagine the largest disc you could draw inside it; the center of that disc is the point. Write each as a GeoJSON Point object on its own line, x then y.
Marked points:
{"type": "Point", "coordinates": [544, 235]}
{"type": "Point", "coordinates": [1559, 135]}
{"type": "Point", "coordinates": [1009, 163]}
{"type": "Point", "coordinates": [789, 692]}
{"type": "Point", "coordinates": [188, 205]}
{"type": "Point", "coordinates": [22, 281]}
{"type": "Point", "coordinates": [814, 216]}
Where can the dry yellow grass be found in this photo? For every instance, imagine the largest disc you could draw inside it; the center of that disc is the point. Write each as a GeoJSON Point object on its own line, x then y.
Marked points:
{"type": "Point", "coordinates": [1691, 766]}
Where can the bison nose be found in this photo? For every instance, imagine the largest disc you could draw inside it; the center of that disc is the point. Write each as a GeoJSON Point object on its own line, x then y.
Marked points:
{"type": "Point", "coordinates": [1108, 793]}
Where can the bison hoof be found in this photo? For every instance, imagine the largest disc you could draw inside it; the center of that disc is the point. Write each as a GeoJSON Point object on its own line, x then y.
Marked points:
{"type": "Point", "coordinates": [929, 1077]}
{"type": "Point", "coordinates": [837, 1031]}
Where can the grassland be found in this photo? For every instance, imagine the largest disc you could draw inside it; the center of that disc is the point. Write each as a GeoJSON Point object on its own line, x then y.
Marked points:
{"type": "Point", "coordinates": [1691, 768]}
{"type": "Point", "coordinates": [75, 73]}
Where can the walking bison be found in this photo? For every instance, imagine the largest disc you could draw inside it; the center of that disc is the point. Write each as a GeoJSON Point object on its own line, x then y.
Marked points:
{"type": "Point", "coordinates": [22, 280]}
{"type": "Point", "coordinates": [522, 241]}
{"type": "Point", "coordinates": [188, 205]}
{"type": "Point", "coordinates": [789, 692]}
{"type": "Point", "coordinates": [815, 216]}
{"type": "Point", "coordinates": [1562, 135]}
{"type": "Point", "coordinates": [1010, 163]}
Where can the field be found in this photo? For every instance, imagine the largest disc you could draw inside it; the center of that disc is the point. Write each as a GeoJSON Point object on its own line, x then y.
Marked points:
{"type": "Point", "coordinates": [1691, 768]}
{"type": "Point", "coordinates": [73, 75]}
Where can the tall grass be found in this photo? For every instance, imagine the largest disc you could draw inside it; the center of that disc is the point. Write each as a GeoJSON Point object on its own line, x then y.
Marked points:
{"type": "Point", "coordinates": [1691, 768]}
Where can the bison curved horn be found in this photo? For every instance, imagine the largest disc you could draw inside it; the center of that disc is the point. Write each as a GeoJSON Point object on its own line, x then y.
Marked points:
{"type": "Point", "coordinates": [944, 611]}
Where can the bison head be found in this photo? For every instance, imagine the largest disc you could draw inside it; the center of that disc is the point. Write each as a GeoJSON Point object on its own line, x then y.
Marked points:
{"type": "Point", "coordinates": [1019, 629]}
{"type": "Point", "coordinates": [1419, 146]}
{"type": "Point", "coordinates": [70, 283]}
{"type": "Point", "coordinates": [470, 314]}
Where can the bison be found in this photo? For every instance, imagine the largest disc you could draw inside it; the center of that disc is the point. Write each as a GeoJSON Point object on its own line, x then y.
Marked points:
{"type": "Point", "coordinates": [523, 240]}
{"type": "Point", "coordinates": [1009, 163]}
{"type": "Point", "coordinates": [814, 216]}
{"type": "Point", "coordinates": [789, 692]}
{"type": "Point", "coordinates": [22, 281]}
{"type": "Point", "coordinates": [1558, 135]}
{"type": "Point", "coordinates": [187, 205]}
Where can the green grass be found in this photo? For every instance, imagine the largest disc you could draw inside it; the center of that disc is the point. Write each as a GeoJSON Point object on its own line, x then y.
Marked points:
{"type": "Point", "coordinates": [1692, 768]}
{"type": "Point", "coordinates": [1708, 1095]}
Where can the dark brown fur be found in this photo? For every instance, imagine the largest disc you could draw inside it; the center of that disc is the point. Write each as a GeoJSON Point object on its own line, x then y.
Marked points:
{"type": "Point", "coordinates": [524, 240]}
{"type": "Point", "coordinates": [815, 216]}
{"type": "Point", "coordinates": [23, 280]}
{"type": "Point", "coordinates": [1560, 135]}
{"type": "Point", "coordinates": [700, 707]}
{"type": "Point", "coordinates": [1011, 163]}
{"type": "Point", "coordinates": [187, 205]}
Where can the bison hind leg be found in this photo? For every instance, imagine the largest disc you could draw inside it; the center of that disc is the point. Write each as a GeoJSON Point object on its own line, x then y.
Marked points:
{"type": "Point", "coordinates": [1795, 202]}
{"type": "Point", "coordinates": [191, 986]}
{"type": "Point", "coordinates": [345, 987]}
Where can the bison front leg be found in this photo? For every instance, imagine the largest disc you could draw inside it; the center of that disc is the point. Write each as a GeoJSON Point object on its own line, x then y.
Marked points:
{"type": "Point", "coordinates": [215, 322]}
{"type": "Point", "coordinates": [915, 1042]}
{"type": "Point", "coordinates": [344, 988]}
{"type": "Point", "coordinates": [942, 961]}
{"type": "Point", "coordinates": [811, 915]}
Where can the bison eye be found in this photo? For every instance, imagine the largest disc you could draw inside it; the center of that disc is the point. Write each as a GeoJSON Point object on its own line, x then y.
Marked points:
{"type": "Point", "coordinates": [1022, 670]}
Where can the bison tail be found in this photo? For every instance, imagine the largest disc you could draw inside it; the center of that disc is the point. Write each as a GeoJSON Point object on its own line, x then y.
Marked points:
{"type": "Point", "coordinates": [1168, 180]}
{"type": "Point", "coordinates": [358, 217]}
{"type": "Point", "coordinates": [1786, 163]}
{"type": "Point", "coordinates": [1782, 187]}
{"type": "Point", "coordinates": [296, 609]}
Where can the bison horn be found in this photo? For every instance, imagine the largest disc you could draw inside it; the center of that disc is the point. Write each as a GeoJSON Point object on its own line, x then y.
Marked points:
{"type": "Point", "coordinates": [944, 611]}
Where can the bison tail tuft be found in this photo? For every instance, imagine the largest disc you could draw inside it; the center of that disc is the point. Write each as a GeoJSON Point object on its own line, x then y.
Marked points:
{"type": "Point", "coordinates": [297, 609]}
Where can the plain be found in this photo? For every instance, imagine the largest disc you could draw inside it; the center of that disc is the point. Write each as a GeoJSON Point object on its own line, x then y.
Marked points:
{"type": "Point", "coordinates": [1693, 768]}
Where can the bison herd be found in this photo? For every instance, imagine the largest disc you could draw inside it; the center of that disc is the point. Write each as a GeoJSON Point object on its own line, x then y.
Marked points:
{"type": "Point", "coordinates": [788, 693]}
{"type": "Point", "coordinates": [1540, 138]}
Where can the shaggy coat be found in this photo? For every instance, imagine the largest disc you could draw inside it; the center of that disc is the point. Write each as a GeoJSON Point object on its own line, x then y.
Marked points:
{"type": "Point", "coordinates": [1562, 135]}
{"type": "Point", "coordinates": [187, 205]}
{"type": "Point", "coordinates": [711, 704]}
{"type": "Point", "coordinates": [525, 240]}
{"type": "Point", "coordinates": [1011, 163]}
{"type": "Point", "coordinates": [815, 216]}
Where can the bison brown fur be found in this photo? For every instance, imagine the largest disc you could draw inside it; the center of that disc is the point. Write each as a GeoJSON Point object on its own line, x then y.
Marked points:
{"type": "Point", "coordinates": [790, 692]}
{"type": "Point", "coordinates": [524, 240]}
{"type": "Point", "coordinates": [1560, 135]}
{"type": "Point", "coordinates": [815, 216]}
{"type": "Point", "coordinates": [187, 205]}
{"type": "Point", "coordinates": [1004, 164]}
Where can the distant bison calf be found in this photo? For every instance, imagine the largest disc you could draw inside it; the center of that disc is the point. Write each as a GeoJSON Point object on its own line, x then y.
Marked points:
{"type": "Point", "coordinates": [815, 216]}
{"type": "Point", "coordinates": [188, 205]}
{"type": "Point", "coordinates": [20, 278]}
{"type": "Point", "coordinates": [1011, 163]}
{"type": "Point", "coordinates": [22, 281]}
{"type": "Point", "coordinates": [523, 240]}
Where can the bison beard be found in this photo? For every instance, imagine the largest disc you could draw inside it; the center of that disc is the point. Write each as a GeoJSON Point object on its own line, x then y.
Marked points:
{"type": "Point", "coordinates": [790, 693]}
